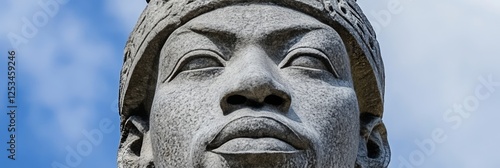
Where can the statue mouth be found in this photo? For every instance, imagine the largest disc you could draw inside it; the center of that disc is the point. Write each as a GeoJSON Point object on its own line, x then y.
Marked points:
{"type": "Point", "coordinates": [252, 135]}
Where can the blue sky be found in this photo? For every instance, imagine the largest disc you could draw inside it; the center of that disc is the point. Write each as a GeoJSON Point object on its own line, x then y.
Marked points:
{"type": "Point", "coordinates": [439, 57]}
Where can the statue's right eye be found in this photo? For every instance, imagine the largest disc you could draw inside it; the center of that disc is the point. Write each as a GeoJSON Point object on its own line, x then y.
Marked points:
{"type": "Point", "coordinates": [197, 60]}
{"type": "Point", "coordinates": [201, 62]}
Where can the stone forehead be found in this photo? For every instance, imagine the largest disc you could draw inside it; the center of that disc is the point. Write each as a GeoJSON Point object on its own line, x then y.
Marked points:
{"type": "Point", "coordinates": [162, 17]}
{"type": "Point", "coordinates": [246, 21]}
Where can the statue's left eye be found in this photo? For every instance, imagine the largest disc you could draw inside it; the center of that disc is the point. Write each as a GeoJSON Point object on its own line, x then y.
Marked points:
{"type": "Point", "coordinates": [308, 58]}
{"type": "Point", "coordinates": [307, 61]}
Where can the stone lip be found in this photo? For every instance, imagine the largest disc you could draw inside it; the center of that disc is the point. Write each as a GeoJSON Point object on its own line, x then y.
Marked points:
{"type": "Point", "coordinates": [259, 128]}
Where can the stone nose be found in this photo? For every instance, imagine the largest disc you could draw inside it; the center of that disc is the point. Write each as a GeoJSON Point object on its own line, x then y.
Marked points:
{"type": "Point", "coordinates": [255, 84]}
{"type": "Point", "coordinates": [258, 92]}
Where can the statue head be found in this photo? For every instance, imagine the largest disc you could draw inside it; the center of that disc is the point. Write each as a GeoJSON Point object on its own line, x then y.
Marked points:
{"type": "Point", "coordinates": [230, 83]}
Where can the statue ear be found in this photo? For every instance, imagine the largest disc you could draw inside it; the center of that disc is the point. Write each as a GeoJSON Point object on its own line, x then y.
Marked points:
{"type": "Point", "coordinates": [135, 147]}
{"type": "Point", "coordinates": [373, 149]}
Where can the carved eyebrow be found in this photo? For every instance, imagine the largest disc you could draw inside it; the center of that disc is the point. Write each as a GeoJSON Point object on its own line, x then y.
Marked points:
{"type": "Point", "coordinates": [219, 33]}
{"type": "Point", "coordinates": [224, 40]}
{"type": "Point", "coordinates": [289, 33]}
{"type": "Point", "coordinates": [283, 39]}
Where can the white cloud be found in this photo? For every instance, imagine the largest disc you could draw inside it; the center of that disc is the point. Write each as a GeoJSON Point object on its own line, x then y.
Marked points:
{"type": "Point", "coordinates": [126, 12]}
{"type": "Point", "coordinates": [13, 11]}
{"type": "Point", "coordinates": [67, 66]}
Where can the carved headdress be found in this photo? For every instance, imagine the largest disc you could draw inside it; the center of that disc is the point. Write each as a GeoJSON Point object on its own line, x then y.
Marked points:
{"type": "Point", "coordinates": [162, 17]}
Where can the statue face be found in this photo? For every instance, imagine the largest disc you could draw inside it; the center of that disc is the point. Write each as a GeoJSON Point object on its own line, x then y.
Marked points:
{"type": "Point", "coordinates": [254, 86]}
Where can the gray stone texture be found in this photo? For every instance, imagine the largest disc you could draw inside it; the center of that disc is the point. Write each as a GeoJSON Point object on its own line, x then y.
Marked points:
{"type": "Point", "coordinates": [255, 83]}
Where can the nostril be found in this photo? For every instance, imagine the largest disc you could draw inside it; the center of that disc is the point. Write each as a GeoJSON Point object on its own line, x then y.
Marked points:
{"type": "Point", "coordinates": [236, 99]}
{"type": "Point", "coordinates": [274, 100]}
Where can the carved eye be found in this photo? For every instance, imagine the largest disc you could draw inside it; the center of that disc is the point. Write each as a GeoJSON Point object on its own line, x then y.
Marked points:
{"type": "Point", "coordinates": [201, 62]}
{"type": "Point", "coordinates": [197, 60]}
{"type": "Point", "coordinates": [308, 58]}
{"type": "Point", "coordinates": [307, 61]}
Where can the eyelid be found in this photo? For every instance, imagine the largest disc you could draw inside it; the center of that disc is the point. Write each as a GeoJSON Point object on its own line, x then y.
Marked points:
{"type": "Point", "coordinates": [294, 53]}
{"type": "Point", "coordinates": [186, 57]}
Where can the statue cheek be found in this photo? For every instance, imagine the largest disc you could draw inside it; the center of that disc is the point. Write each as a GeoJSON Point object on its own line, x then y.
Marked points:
{"type": "Point", "coordinates": [184, 108]}
{"type": "Point", "coordinates": [331, 112]}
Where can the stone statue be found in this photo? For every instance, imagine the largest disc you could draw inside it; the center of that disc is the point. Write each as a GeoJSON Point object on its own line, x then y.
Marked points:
{"type": "Point", "coordinates": [252, 83]}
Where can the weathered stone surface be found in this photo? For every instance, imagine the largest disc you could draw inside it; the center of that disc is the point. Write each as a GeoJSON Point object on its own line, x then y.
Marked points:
{"type": "Point", "coordinates": [256, 83]}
